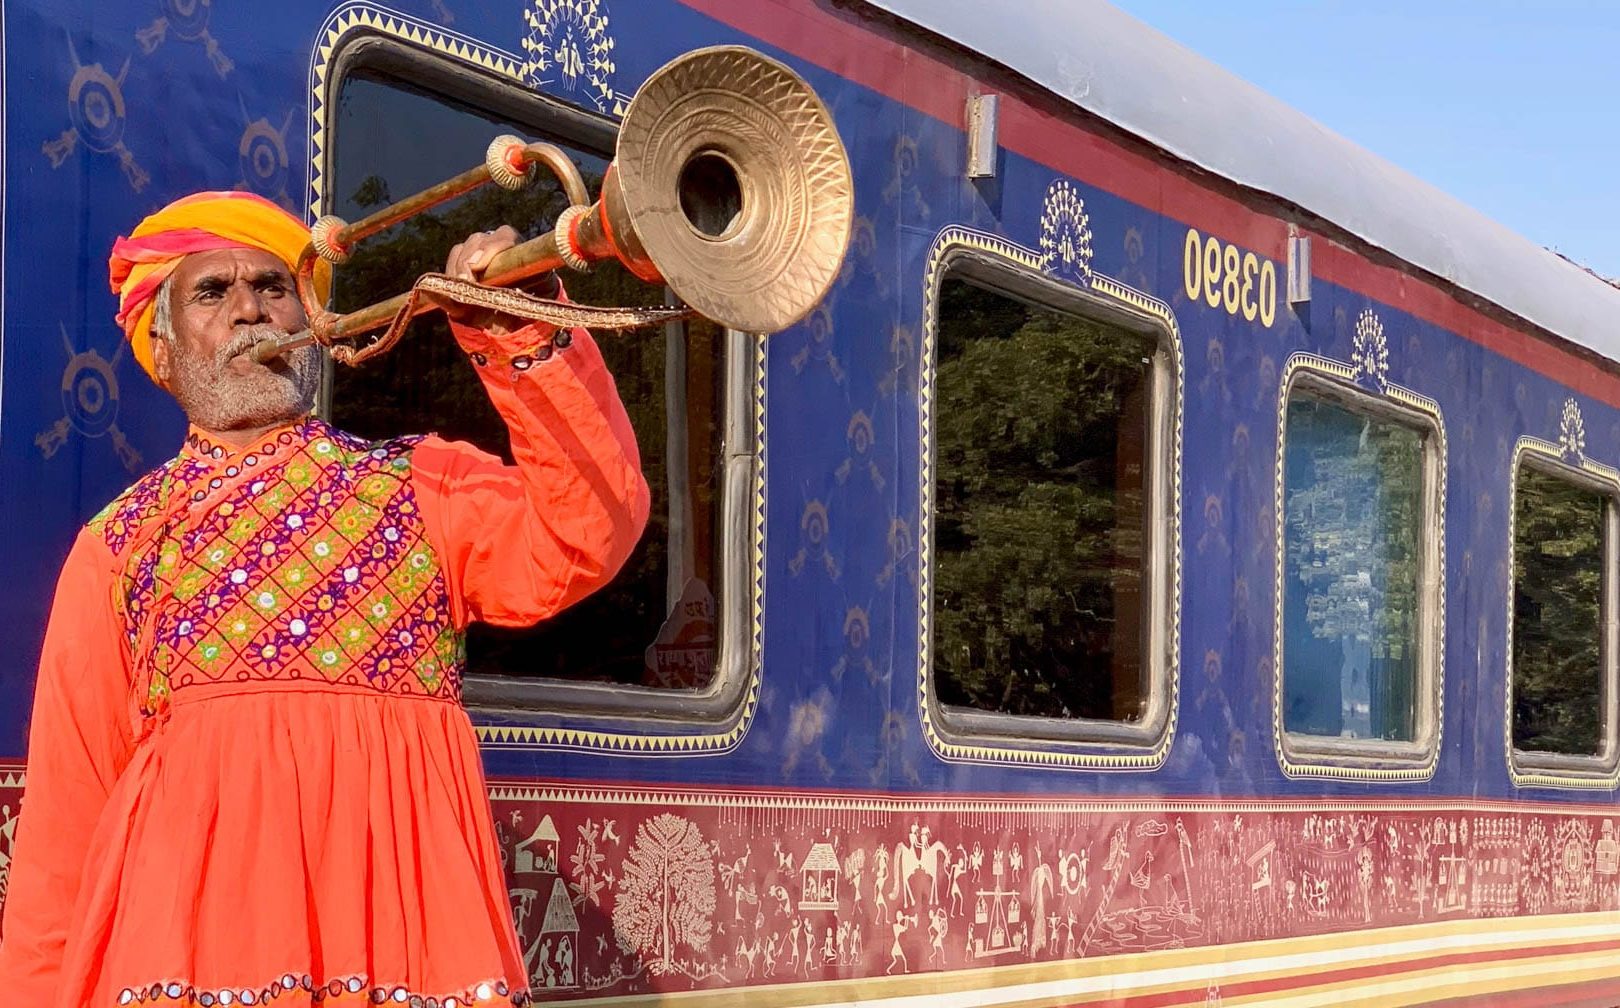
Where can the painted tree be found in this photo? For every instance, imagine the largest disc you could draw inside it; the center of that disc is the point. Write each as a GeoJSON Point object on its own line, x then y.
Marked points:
{"type": "Point", "coordinates": [666, 892]}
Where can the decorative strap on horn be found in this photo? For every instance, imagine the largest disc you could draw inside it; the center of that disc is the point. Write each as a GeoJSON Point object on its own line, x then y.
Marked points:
{"type": "Point", "coordinates": [441, 288]}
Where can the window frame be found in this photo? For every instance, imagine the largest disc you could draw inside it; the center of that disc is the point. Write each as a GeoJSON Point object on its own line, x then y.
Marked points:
{"type": "Point", "coordinates": [505, 705]}
{"type": "Point", "coordinates": [1302, 754]}
{"type": "Point", "coordinates": [1532, 767]}
{"type": "Point", "coordinates": [998, 267]}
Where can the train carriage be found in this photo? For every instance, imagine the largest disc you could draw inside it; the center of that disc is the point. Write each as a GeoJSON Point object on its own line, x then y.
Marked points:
{"type": "Point", "coordinates": [1175, 564]}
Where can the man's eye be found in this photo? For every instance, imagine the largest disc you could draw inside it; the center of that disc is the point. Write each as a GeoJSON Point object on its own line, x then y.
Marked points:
{"type": "Point", "coordinates": [210, 295]}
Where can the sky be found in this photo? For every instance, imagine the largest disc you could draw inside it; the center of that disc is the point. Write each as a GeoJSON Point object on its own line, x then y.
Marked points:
{"type": "Point", "coordinates": [1514, 108]}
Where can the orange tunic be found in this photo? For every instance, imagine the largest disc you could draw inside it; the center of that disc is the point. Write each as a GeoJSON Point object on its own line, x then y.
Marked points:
{"type": "Point", "coordinates": [250, 778]}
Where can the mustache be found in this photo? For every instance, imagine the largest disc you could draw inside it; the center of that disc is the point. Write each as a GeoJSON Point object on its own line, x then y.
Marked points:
{"type": "Point", "coordinates": [249, 336]}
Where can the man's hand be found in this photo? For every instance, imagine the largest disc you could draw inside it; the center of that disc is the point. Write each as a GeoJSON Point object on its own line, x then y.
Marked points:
{"type": "Point", "coordinates": [467, 261]}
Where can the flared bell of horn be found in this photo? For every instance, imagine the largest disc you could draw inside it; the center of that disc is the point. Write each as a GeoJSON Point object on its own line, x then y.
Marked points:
{"type": "Point", "coordinates": [729, 184]}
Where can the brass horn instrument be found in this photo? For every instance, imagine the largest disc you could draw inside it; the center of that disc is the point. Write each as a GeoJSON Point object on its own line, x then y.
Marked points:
{"type": "Point", "coordinates": [729, 184]}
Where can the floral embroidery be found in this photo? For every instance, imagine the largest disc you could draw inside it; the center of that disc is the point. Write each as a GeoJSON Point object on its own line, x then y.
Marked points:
{"type": "Point", "coordinates": [356, 989]}
{"type": "Point", "coordinates": [143, 501]}
{"type": "Point", "coordinates": [305, 557]}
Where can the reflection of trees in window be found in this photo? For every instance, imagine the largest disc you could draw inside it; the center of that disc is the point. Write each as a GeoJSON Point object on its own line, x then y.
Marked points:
{"type": "Point", "coordinates": [655, 624]}
{"type": "Point", "coordinates": [1353, 512]}
{"type": "Point", "coordinates": [1040, 511]}
{"type": "Point", "coordinates": [1558, 572]}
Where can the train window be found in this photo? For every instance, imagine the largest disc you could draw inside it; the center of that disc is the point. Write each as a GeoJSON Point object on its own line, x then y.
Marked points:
{"type": "Point", "coordinates": [1359, 633]}
{"type": "Point", "coordinates": [1563, 622]}
{"type": "Point", "coordinates": [1048, 575]}
{"type": "Point", "coordinates": [658, 630]}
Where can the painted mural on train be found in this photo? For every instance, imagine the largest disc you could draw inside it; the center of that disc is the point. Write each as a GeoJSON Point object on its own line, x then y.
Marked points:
{"type": "Point", "coordinates": [634, 891]}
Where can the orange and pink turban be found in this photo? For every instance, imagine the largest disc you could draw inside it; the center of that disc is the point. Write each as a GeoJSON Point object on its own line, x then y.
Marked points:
{"type": "Point", "coordinates": [202, 222]}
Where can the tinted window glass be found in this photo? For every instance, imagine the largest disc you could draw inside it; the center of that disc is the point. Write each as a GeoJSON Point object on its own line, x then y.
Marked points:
{"type": "Point", "coordinates": [1353, 521]}
{"type": "Point", "coordinates": [1559, 554]}
{"type": "Point", "coordinates": [655, 624]}
{"type": "Point", "coordinates": [1041, 511]}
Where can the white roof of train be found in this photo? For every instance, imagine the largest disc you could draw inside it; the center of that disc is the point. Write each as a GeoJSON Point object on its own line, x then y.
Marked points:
{"type": "Point", "coordinates": [1106, 62]}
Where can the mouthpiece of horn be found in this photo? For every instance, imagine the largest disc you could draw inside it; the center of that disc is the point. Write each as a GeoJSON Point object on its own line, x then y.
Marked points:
{"type": "Point", "coordinates": [269, 350]}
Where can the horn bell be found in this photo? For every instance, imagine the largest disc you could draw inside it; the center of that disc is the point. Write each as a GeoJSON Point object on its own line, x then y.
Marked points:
{"type": "Point", "coordinates": [731, 184]}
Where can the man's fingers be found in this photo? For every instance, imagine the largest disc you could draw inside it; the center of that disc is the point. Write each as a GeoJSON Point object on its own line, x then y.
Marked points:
{"type": "Point", "coordinates": [455, 264]}
{"type": "Point", "coordinates": [469, 259]}
{"type": "Point", "coordinates": [490, 244]}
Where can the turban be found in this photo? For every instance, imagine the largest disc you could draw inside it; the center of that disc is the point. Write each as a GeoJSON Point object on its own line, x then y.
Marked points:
{"type": "Point", "coordinates": [202, 222]}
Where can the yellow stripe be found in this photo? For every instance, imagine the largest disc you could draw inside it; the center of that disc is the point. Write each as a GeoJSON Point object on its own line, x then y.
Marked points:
{"type": "Point", "coordinates": [1409, 987]}
{"type": "Point", "coordinates": [1236, 964]}
{"type": "Point", "coordinates": [1446, 982]}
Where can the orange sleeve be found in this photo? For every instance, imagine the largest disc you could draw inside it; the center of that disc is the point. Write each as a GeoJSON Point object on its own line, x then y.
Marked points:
{"type": "Point", "coordinates": [79, 741]}
{"type": "Point", "coordinates": [520, 543]}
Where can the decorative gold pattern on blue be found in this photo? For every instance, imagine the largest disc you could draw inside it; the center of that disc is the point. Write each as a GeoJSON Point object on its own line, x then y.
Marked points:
{"type": "Point", "coordinates": [569, 46]}
{"type": "Point", "coordinates": [1369, 354]}
{"type": "Point", "coordinates": [904, 190]}
{"type": "Point", "coordinates": [1066, 233]}
{"type": "Point", "coordinates": [188, 20]}
{"type": "Point", "coordinates": [363, 16]}
{"type": "Point", "coordinates": [97, 116]}
{"type": "Point", "coordinates": [266, 167]}
{"type": "Point", "coordinates": [1368, 369]}
{"type": "Point", "coordinates": [1572, 432]}
{"type": "Point", "coordinates": [951, 241]}
{"type": "Point", "coordinates": [89, 403]}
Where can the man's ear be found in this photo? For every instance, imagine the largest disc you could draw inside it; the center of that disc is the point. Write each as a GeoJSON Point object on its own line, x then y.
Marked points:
{"type": "Point", "coordinates": [162, 365]}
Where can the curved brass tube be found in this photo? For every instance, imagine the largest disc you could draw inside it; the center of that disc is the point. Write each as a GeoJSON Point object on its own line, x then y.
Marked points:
{"type": "Point", "coordinates": [746, 223]}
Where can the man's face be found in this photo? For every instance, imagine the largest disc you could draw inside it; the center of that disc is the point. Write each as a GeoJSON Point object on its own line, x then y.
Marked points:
{"type": "Point", "coordinates": [223, 304]}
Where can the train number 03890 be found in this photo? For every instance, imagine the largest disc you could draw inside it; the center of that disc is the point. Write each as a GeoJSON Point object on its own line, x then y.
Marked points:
{"type": "Point", "coordinates": [1225, 276]}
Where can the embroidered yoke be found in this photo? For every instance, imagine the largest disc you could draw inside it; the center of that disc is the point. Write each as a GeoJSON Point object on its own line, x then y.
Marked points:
{"type": "Point", "coordinates": [308, 561]}
{"type": "Point", "coordinates": [250, 778]}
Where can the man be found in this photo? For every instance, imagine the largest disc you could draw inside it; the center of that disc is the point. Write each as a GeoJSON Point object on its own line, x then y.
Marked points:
{"type": "Point", "coordinates": [250, 779]}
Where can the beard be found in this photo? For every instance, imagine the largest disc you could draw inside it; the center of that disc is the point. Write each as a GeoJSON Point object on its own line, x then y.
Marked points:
{"type": "Point", "coordinates": [217, 398]}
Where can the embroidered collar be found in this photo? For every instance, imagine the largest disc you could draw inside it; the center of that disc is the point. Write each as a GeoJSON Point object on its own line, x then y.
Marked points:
{"type": "Point", "coordinates": [200, 446]}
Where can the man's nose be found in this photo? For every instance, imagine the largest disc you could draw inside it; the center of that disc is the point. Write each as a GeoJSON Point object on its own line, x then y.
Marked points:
{"type": "Point", "coordinates": [248, 305]}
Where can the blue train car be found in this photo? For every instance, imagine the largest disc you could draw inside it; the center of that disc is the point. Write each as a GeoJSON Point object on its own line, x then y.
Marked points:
{"type": "Point", "coordinates": [1174, 565]}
